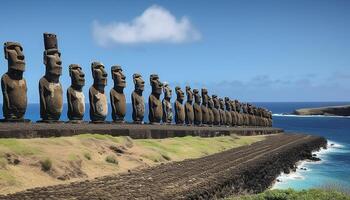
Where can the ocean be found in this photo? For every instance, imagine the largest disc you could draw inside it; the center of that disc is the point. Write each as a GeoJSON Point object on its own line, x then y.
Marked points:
{"type": "Point", "coordinates": [333, 169]}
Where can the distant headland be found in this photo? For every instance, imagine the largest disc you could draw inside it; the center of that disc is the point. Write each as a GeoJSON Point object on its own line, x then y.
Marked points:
{"type": "Point", "coordinates": [329, 111]}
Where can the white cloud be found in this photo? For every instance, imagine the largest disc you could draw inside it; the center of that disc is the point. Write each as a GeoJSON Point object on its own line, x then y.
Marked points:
{"type": "Point", "coordinates": [155, 24]}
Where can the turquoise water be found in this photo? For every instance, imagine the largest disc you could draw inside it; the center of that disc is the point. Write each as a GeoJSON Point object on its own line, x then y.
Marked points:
{"type": "Point", "coordinates": [335, 165]}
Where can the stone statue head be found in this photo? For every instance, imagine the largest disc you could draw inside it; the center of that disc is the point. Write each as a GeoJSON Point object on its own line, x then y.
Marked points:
{"type": "Point", "coordinates": [222, 104]}
{"type": "Point", "coordinates": [180, 95]}
{"type": "Point", "coordinates": [210, 102]}
{"type": "Point", "coordinates": [233, 105]}
{"type": "Point", "coordinates": [197, 97]}
{"type": "Point", "coordinates": [167, 91]}
{"type": "Point", "coordinates": [118, 76]}
{"type": "Point", "coordinates": [238, 106]}
{"type": "Point", "coordinates": [156, 84]}
{"type": "Point", "coordinates": [216, 101]}
{"type": "Point", "coordinates": [52, 56]}
{"type": "Point", "coordinates": [14, 55]}
{"type": "Point", "coordinates": [138, 82]}
{"type": "Point", "coordinates": [77, 76]}
{"type": "Point", "coordinates": [99, 74]}
{"type": "Point", "coordinates": [204, 92]}
{"type": "Point", "coordinates": [189, 94]}
{"type": "Point", "coordinates": [227, 104]}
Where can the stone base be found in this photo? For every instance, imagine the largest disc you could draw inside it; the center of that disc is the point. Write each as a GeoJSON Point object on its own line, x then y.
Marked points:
{"type": "Point", "coordinates": [16, 120]}
{"type": "Point", "coordinates": [50, 121]}
{"type": "Point", "coordinates": [138, 122]}
{"type": "Point", "coordinates": [75, 121]}
{"type": "Point", "coordinates": [98, 122]}
{"type": "Point", "coordinates": [118, 122]}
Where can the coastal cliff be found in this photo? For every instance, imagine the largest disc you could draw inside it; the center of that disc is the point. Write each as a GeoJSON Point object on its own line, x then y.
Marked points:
{"type": "Point", "coordinates": [329, 111]}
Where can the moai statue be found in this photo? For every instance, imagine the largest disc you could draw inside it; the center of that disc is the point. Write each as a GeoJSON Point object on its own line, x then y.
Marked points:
{"type": "Point", "coordinates": [197, 110]}
{"type": "Point", "coordinates": [269, 119]}
{"type": "Point", "coordinates": [189, 115]}
{"type": "Point", "coordinates": [228, 112]}
{"type": "Point", "coordinates": [75, 95]}
{"type": "Point", "coordinates": [210, 111]}
{"type": "Point", "coordinates": [222, 112]}
{"type": "Point", "coordinates": [216, 112]}
{"type": "Point", "coordinates": [138, 104]}
{"type": "Point", "coordinates": [155, 105]}
{"type": "Point", "coordinates": [50, 89]}
{"type": "Point", "coordinates": [239, 114]}
{"type": "Point", "coordinates": [204, 106]}
{"type": "Point", "coordinates": [13, 85]}
{"type": "Point", "coordinates": [97, 96]}
{"type": "Point", "coordinates": [167, 107]}
{"type": "Point", "coordinates": [179, 107]}
{"type": "Point", "coordinates": [251, 115]}
{"type": "Point", "coordinates": [234, 115]}
{"type": "Point", "coordinates": [245, 114]}
{"type": "Point", "coordinates": [117, 96]}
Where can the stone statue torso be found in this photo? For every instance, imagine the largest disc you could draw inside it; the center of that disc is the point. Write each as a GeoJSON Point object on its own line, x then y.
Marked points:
{"type": "Point", "coordinates": [76, 108]}
{"type": "Point", "coordinates": [167, 111]}
{"type": "Point", "coordinates": [119, 107]}
{"type": "Point", "coordinates": [179, 113]}
{"type": "Point", "coordinates": [155, 109]}
{"type": "Point", "coordinates": [16, 91]}
{"type": "Point", "coordinates": [52, 96]}
{"type": "Point", "coordinates": [197, 113]}
{"type": "Point", "coordinates": [205, 114]}
{"type": "Point", "coordinates": [98, 102]}
{"type": "Point", "coordinates": [228, 118]}
{"type": "Point", "coordinates": [189, 115]}
{"type": "Point", "coordinates": [138, 103]}
{"type": "Point", "coordinates": [216, 115]}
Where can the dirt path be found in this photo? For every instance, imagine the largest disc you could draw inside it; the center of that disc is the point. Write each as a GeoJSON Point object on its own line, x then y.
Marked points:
{"type": "Point", "coordinates": [245, 169]}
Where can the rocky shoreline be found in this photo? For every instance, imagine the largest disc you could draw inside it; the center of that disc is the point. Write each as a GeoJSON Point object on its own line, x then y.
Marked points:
{"type": "Point", "coordinates": [247, 169]}
{"type": "Point", "coordinates": [328, 111]}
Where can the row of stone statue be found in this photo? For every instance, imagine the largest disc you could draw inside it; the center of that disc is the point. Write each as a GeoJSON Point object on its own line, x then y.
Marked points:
{"type": "Point", "coordinates": [204, 110]}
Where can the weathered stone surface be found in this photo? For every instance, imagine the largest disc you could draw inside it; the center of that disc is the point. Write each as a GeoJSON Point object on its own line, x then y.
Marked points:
{"type": "Point", "coordinates": [197, 110]}
{"type": "Point", "coordinates": [167, 107]}
{"type": "Point", "coordinates": [50, 89]}
{"type": "Point", "coordinates": [210, 111]}
{"type": "Point", "coordinates": [138, 104]}
{"type": "Point", "coordinates": [216, 112]}
{"type": "Point", "coordinates": [234, 115]}
{"type": "Point", "coordinates": [204, 106]}
{"type": "Point", "coordinates": [222, 112]}
{"type": "Point", "coordinates": [75, 95]}
{"type": "Point", "coordinates": [189, 115]}
{"type": "Point", "coordinates": [228, 112]}
{"type": "Point", "coordinates": [155, 105]}
{"type": "Point", "coordinates": [239, 113]}
{"type": "Point", "coordinates": [97, 96]}
{"type": "Point", "coordinates": [13, 85]}
{"type": "Point", "coordinates": [117, 96]}
{"type": "Point", "coordinates": [179, 107]}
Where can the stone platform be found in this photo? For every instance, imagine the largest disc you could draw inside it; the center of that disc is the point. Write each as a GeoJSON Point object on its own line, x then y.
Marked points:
{"type": "Point", "coordinates": [135, 131]}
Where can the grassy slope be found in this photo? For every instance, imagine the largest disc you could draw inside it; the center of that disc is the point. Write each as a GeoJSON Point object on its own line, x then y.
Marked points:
{"type": "Point", "coordinates": [26, 163]}
{"type": "Point", "coordinates": [311, 194]}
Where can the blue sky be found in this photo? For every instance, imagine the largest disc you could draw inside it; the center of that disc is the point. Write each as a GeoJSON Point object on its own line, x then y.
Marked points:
{"type": "Point", "coordinates": [249, 50]}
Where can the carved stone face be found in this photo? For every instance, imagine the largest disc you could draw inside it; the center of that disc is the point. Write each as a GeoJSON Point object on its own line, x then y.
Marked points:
{"type": "Point", "coordinates": [227, 104]}
{"type": "Point", "coordinates": [189, 94]}
{"type": "Point", "coordinates": [14, 55]}
{"type": "Point", "coordinates": [156, 84]}
{"type": "Point", "coordinates": [204, 96]}
{"type": "Point", "coordinates": [233, 105]}
{"type": "Point", "coordinates": [77, 75]}
{"type": "Point", "coordinates": [167, 91]}
{"type": "Point", "coordinates": [222, 104]}
{"type": "Point", "coordinates": [197, 97]}
{"type": "Point", "coordinates": [99, 74]}
{"type": "Point", "coordinates": [118, 77]}
{"type": "Point", "coordinates": [210, 102]}
{"type": "Point", "coordinates": [216, 101]}
{"type": "Point", "coordinates": [52, 61]}
{"type": "Point", "coordinates": [180, 94]}
{"type": "Point", "coordinates": [138, 82]}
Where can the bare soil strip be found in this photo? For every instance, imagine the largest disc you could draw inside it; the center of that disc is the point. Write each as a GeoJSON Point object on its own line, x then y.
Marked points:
{"type": "Point", "coordinates": [247, 169]}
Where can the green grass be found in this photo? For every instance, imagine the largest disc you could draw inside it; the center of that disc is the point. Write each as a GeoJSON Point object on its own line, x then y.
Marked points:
{"type": "Point", "coordinates": [290, 194]}
{"type": "Point", "coordinates": [112, 159]}
{"type": "Point", "coordinates": [46, 164]}
{"type": "Point", "coordinates": [16, 146]}
{"type": "Point", "coordinates": [6, 179]}
{"type": "Point", "coordinates": [87, 155]}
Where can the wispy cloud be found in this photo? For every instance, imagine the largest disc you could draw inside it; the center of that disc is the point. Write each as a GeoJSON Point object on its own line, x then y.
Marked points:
{"type": "Point", "coordinates": [155, 24]}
